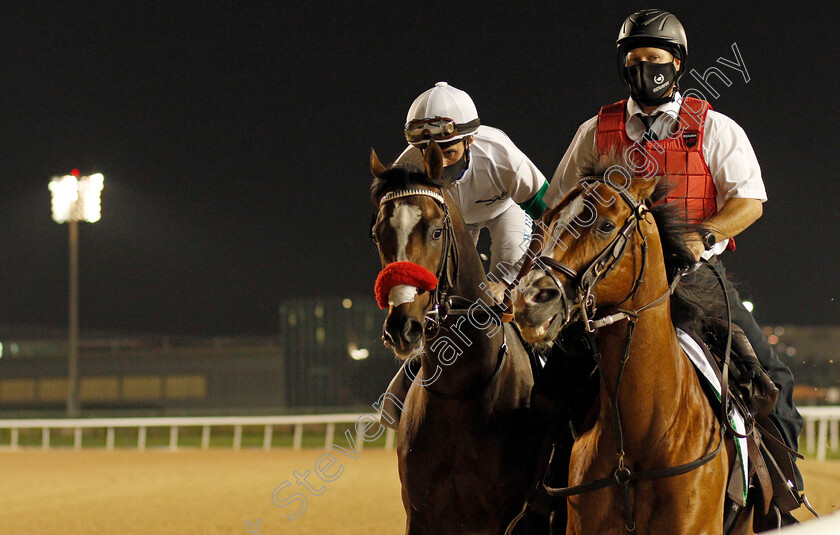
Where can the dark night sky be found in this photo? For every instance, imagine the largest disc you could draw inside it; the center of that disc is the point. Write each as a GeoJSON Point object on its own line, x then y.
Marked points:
{"type": "Point", "coordinates": [234, 142]}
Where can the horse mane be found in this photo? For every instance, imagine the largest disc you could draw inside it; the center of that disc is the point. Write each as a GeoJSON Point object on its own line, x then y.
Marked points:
{"type": "Point", "coordinates": [695, 298]}
{"type": "Point", "coordinates": [400, 177]}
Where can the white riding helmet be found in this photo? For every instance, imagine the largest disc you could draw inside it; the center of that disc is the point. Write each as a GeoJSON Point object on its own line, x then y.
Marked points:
{"type": "Point", "coordinates": [442, 113]}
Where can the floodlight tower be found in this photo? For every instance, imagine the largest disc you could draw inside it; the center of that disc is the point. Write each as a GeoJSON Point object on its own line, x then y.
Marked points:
{"type": "Point", "coordinates": [75, 199]}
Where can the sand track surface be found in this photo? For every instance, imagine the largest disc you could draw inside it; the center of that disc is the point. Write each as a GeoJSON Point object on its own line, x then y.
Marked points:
{"type": "Point", "coordinates": [215, 492]}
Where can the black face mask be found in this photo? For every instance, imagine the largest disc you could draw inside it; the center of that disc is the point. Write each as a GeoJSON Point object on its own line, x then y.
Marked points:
{"type": "Point", "coordinates": [649, 82]}
{"type": "Point", "coordinates": [456, 170]}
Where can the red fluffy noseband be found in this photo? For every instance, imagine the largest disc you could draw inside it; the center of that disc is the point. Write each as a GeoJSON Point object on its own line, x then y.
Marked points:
{"type": "Point", "coordinates": [398, 273]}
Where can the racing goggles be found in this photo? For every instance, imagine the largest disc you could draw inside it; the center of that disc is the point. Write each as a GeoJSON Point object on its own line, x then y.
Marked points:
{"type": "Point", "coordinates": [438, 129]}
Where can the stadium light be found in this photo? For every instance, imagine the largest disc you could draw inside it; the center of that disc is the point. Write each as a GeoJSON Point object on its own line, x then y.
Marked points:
{"type": "Point", "coordinates": [357, 353]}
{"type": "Point", "coordinates": [75, 199]}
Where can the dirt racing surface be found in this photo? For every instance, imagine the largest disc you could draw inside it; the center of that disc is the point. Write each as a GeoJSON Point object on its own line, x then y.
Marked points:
{"type": "Point", "coordinates": [212, 492]}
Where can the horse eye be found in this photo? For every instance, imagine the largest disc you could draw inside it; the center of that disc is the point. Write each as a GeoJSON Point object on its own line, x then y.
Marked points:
{"type": "Point", "coordinates": [437, 234]}
{"type": "Point", "coordinates": [606, 227]}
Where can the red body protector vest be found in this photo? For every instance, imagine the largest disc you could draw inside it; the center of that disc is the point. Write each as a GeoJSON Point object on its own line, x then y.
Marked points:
{"type": "Point", "coordinates": [679, 157]}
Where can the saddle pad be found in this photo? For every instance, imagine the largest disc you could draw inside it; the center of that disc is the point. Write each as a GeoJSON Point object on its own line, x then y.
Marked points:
{"type": "Point", "coordinates": [695, 354]}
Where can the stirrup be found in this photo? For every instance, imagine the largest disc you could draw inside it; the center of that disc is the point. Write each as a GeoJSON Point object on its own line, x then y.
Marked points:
{"type": "Point", "coordinates": [807, 504]}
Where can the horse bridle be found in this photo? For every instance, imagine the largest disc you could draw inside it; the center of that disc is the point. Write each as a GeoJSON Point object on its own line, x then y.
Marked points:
{"type": "Point", "coordinates": [585, 282]}
{"type": "Point", "coordinates": [447, 278]}
{"type": "Point", "coordinates": [599, 268]}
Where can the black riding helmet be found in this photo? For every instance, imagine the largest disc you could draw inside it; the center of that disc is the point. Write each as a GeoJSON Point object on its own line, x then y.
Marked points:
{"type": "Point", "coordinates": [652, 27]}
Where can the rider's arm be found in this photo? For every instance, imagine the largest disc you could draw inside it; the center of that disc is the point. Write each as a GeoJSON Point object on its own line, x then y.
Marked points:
{"type": "Point", "coordinates": [531, 186]}
{"type": "Point", "coordinates": [737, 175]}
{"type": "Point", "coordinates": [518, 175]}
{"type": "Point", "coordinates": [581, 150]}
{"type": "Point", "coordinates": [735, 216]}
{"type": "Point", "coordinates": [535, 206]}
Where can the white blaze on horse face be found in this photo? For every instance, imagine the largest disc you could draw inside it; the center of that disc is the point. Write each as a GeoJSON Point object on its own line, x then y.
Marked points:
{"type": "Point", "coordinates": [401, 293]}
{"type": "Point", "coordinates": [564, 220]}
{"type": "Point", "coordinates": [403, 221]}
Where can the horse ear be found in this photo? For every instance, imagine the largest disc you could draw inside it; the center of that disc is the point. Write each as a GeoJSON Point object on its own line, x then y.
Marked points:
{"type": "Point", "coordinates": [642, 188]}
{"type": "Point", "coordinates": [433, 161]}
{"type": "Point", "coordinates": [376, 166]}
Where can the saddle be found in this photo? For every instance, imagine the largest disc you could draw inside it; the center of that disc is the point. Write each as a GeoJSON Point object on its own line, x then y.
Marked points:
{"type": "Point", "coordinates": [751, 390]}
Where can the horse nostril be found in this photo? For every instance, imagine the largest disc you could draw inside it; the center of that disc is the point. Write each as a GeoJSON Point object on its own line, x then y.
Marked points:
{"type": "Point", "coordinates": [387, 338]}
{"type": "Point", "coordinates": [412, 331]}
{"type": "Point", "coordinates": [544, 296]}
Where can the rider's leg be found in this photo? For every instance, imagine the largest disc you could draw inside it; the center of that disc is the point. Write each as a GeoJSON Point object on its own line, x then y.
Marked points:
{"type": "Point", "coordinates": [510, 233]}
{"type": "Point", "coordinates": [784, 415]}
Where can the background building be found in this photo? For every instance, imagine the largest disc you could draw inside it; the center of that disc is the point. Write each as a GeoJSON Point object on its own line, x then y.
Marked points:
{"type": "Point", "coordinates": [327, 356]}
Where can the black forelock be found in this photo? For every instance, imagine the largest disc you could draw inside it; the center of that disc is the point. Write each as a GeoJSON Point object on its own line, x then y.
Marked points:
{"type": "Point", "coordinates": [400, 177]}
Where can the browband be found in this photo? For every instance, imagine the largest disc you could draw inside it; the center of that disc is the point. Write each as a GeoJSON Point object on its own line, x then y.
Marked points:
{"type": "Point", "coordinates": [412, 191]}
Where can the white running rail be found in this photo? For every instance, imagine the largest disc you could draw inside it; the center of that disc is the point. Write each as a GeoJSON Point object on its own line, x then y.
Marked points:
{"type": "Point", "coordinates": [822, 426]}
{"type": "Point", "coordinates": [205, 422]}
{"type": "Point", "coordinates": [826, 433]}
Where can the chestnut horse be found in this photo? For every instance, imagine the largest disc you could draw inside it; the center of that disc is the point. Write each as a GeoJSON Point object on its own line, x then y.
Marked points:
{"type": "Point", "coordinates": [648, 457]}
{"type": "Point", "coordinates": [465, 449]}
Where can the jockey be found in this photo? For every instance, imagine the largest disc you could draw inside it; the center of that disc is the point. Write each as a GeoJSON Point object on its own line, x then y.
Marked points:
{"type": "Point", "coordinates": [711, 156]}
{"type": "Point", "coordinates": [493, 183]}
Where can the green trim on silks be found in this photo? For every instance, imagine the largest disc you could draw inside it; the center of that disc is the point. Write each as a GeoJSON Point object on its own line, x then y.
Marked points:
{"type": "Point", "coordinates": [535, 206]}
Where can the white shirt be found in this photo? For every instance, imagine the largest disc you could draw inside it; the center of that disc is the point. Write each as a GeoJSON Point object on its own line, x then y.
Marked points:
{"type": "Point", "coordinates": [726, 150]}
{"type": "Point", "coordinates": [498, 175]}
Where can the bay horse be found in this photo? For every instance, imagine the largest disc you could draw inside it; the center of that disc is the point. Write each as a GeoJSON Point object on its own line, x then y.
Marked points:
{"type": "Point", "coordinates": [650, 457]}
{"type": "Point", "coordinates": [465, 448]}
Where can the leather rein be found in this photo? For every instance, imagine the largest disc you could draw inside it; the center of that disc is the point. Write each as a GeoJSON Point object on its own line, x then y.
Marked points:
{"type": "Point", "coordinates": [585, 305]}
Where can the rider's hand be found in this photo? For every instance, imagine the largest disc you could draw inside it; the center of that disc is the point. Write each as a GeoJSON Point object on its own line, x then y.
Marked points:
{"type": "Point", "coordinates": [498, 291]}
{"type": "Point", "coordinates": [695, 246]}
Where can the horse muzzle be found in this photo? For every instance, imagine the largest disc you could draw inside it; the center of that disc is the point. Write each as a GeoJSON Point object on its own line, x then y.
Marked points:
{"type": "Point", "coordinates": [541, 308]}
{"type": "Point", "coordinates": [403, 333]}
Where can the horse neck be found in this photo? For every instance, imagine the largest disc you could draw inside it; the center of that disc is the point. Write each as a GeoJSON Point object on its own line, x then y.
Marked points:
{"type": "Point", "coordinates": [655, 380]}
{"type": "Point", "coordinates": [474, 341]}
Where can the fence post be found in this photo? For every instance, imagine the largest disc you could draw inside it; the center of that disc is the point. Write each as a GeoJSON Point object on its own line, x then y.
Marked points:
{"type": "Point", "coordinates": [173, 438]}
{"type": "Point", "coordinates": [237, 437]}
{"type": "Point", "coordinates": [833, 434]}
{"type": "Point", "coordinates": [330, 436]}
{"type": "Point", "coordinates": [45, 438]}
{"type": "Point", "coordinates": [810, 423]}
{"type": "Point", "coordinates": [269, 429]}
{"type": "Point", "coordinates": [389, 439]}
{"type": "Point", "coordinates": [298, 441]}
{"type": "Point", "coordinates": [823, 434]}
{"type": "Point", "coordinates": [77, 438]}
{"type": "Point", "coordinates": [141, 438]}
{"type": "Point", "coordinates": [205, 437]}
{"type": "Point", "coordinates": [109, 439]}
